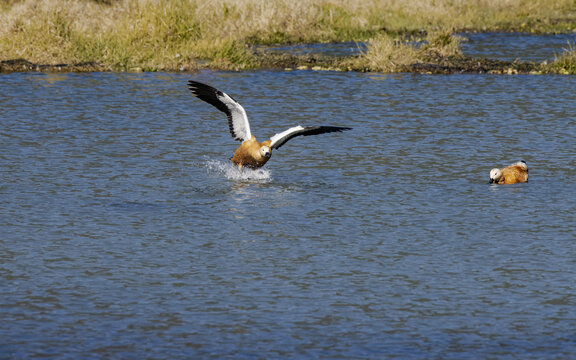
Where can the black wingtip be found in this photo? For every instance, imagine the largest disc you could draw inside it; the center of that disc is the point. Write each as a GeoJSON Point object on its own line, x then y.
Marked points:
{"type": "Point", "coordinates": [208, 94]}
{"type": "Point", "coordinates": [197, 87]}
{"type": "Point", "coordinates": [194, 83]}
{"type": "Point", "coordinates": [316, 130]}
{"type": "Point", "coordinates": [328, 129]}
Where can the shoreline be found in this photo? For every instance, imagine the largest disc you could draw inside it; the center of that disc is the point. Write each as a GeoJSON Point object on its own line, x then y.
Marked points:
{"type": "Point", "coordinates": [453, 64]}
{"type": "Point", "coordinates": [186, 35]}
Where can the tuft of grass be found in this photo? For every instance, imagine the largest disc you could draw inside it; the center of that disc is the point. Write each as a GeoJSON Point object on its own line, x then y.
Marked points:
{"type": "Point", "coordinates": [565, 63]}
{"type": "Point", "coordinates": [388, 54]}
{"type": "Point", "coordinates": [442, 43]}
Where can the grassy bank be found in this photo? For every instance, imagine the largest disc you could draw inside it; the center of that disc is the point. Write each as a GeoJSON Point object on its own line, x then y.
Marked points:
{"type": "Point", "coordinates": [192, 34]}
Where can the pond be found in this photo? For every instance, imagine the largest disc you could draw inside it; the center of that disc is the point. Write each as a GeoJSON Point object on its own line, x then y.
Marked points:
{"type": "Point", "coordinates": [501, 46]}
{"type": "Point", "coordinates": [127, 233]}
{"type": "Point", "coordinates": [516, 46]}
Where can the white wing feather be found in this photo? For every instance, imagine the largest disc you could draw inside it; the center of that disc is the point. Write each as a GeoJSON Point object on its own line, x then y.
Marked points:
{"type": "Point", "coordinates": [238, 117]}
{"type": "Point", "coordinates": [280, 139]}
{"type": "Point", "coordinates": [284, 134]}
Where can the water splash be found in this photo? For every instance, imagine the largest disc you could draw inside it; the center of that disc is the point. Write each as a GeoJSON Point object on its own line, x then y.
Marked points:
{"type": "Point", "coordinates": [231, 172]}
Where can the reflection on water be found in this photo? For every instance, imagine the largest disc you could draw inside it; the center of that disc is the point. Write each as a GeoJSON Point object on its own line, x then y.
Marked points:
{"type": "Point", "coordinates": [127, 233]}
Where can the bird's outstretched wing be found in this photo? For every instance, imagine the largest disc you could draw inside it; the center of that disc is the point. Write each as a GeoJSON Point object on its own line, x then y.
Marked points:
{"type": "Point", "coordinates": [237, 118]}
{"type": "Point", "coordinates": [280, 139]}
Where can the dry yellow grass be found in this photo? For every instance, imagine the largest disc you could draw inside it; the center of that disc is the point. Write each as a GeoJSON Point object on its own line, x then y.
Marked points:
{"type": "Point", "coordinates": [187, 34]}
{"type": "Point", "coordinates": [388, 54]}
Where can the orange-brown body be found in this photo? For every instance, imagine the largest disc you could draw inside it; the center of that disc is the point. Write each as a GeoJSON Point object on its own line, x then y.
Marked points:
{"type": "Point", "coordinates": [252, 154]}
{"type": "Point", "coordinates": [513, 174]}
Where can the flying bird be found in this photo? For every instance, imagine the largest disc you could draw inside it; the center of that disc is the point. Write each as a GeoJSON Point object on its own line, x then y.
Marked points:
{"type": "Point", "coordinates": [251, 153]}
{"type": "Point", "coordinates": [511, 174]}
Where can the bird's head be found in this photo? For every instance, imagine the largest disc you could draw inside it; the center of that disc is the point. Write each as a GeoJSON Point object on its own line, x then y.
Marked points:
{"type": "Point", "coordinates": [265, 151]}
{"type": "Point", "coordinates": [495, 175]}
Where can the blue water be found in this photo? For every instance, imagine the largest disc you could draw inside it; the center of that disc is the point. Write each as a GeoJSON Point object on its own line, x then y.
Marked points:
{"type": "Point", "coordinates": [126, 233]}
{"type": "Point", "coordinates": [500, 46]}
{"type": "Point", "coordinates": [517, 46]}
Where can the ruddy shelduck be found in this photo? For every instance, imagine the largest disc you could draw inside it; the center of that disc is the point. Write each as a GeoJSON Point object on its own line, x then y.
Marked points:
{"type": "Point", "coordinates": [511, 174]}
{"type": "Point", "coordinates": [251, 153]}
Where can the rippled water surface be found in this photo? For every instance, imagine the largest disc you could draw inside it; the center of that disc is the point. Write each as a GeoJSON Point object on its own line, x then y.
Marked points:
{"type": "Point", "coordinates": [500, 46]}
{"type": "Point", "coordinates": [126, 234]}
{"type": "Point", "coordinates": [517, 46]}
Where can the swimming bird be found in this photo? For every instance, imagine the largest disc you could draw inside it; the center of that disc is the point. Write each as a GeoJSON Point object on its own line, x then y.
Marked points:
{"type": "Point", "coordinates": [511, 174]}
{"type": "Point", "coordinates": [251, 153]}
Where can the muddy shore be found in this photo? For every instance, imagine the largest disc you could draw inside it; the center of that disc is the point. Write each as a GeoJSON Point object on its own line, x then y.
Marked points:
{"type": "Point", "coordinates": [267, 61]}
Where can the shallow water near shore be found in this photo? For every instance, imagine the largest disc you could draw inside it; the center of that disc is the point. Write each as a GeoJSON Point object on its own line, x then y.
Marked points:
{"type": "Point", "coordinates": [516, 46]}
{"type": "Point", "coordinates": [127, 234]}
{"type": "Point", "coordinates": [500, 46]}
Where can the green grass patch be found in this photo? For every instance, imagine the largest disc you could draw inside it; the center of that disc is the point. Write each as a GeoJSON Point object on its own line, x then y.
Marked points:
{"type": "Point", "coordinates": [565, 63]}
